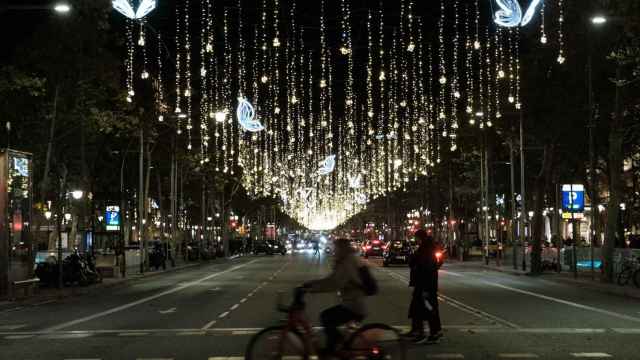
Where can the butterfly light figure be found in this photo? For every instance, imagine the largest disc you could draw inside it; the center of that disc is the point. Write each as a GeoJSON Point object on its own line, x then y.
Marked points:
{"type": "Point", "coordinates": [246, 116]}
{"type": "Point", "coordinates": [354, 181]}
{"type": "Point", "coordinates": [510, 13]}
{"type": "Point", "coordinates": [124, 7]}
{"type": "Point", "coordinates": [327, 165]}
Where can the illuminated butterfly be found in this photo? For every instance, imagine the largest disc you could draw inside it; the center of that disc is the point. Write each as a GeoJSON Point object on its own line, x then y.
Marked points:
{"type": "Point", "coordinates": [361, 199]}
{"type": "Point", "coordinates": [510, 13]}
{"type": "Point", "coordinates": [246, 116]}
{"type": "Point", "coordinates": [327, 165]}
{"type": "Point", "coordinates": [125, 8]}
{"type": "Point", "coordinates": [354, 181]}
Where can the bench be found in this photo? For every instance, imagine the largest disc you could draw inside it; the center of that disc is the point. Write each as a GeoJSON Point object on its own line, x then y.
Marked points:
{"type": "Point", "coordinates": [26, 286]}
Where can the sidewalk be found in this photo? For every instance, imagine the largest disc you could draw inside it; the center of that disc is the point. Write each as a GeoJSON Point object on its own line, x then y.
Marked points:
{"type": "Point", "coordinates": [566, 277]}
{"type": "Point", "coordinates": [47, 295]}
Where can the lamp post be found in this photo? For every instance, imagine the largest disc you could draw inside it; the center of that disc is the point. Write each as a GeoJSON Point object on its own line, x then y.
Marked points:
{"type": "Point", "coordinates": [61, 7]}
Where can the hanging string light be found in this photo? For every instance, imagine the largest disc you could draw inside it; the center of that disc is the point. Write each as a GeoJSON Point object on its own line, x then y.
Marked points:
{"type": "Point", "coordinates": [543, 34]}
{"type": "Point", "coordinates": [561, 58]}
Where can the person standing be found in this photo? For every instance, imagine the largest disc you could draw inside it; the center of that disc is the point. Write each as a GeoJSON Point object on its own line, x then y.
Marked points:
{"type": "Point", "coordinates": [424, 300]}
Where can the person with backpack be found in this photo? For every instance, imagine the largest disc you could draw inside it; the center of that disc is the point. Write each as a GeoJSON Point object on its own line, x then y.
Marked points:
{"type": "Point", "coordinates": [353, 281]}
{"type": "Point", "coordinates": [424, 265]}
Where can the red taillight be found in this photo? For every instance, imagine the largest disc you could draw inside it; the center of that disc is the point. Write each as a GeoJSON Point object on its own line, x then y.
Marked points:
{"type": "Point", "coordinates": [438, 255]}
{"type": "Point", "coordinates": [375, 351]}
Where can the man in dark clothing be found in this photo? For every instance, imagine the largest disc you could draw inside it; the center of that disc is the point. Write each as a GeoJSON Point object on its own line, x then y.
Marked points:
{"type": "Point", "coordinates": [424, 301]}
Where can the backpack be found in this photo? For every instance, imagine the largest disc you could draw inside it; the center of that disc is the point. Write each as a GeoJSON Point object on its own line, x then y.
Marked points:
{"type": "Point", "coordinates": [369, 283]}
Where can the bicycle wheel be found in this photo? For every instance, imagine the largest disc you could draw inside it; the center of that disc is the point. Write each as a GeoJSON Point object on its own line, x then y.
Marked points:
{"type": "Point", "coordinates": [277, 343]}
{"type": "Point", "coordinates": [376, 342]}
{"type": "Point", "coordinates": [624, 276]}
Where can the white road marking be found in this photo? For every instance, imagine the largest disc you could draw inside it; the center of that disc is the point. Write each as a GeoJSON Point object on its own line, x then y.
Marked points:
{"type": "Point", "coordinates": [566, 302]}
{"type": "Point", "coordinates": [445, 356]}
{"type": "Point", "coordinates": [65, 336]}
{"type": "Point", "coordinates": [192, 333]}
{"type": "Point", "coordinates": [133, 334]}
{"type": "Point", "coordinates": [85, 359]}
{"type": "Point", "coordinates": [44, 302]}
{"type": "Point", "coordinates": [223, 315]}
{"type": "Point", "coordinates": [591, 355]}
{"type": "Point", "coordinates": [155, 359]}
{"type": "Point", "coordinates": [462, 306]}
{"type": "Point", "coordinates": [13, 327]}
{"type": "Point", "coordinates": [234, 307]}
{"type": "Point", "coordinates": [626, 331]}
{"type": "Point", "coordinates": [518, 356]}
{"type": "Point", "coordinates": [168, 311]}
{"type": "Point", "coordinates": [215, 289]}
{"type": "Point", "coordinates": [561, 331]}
{"type": "Point", "coordinates": [244, 332]}
{"type": "Point", "coordinates": [18, 337]}
{"type": "Point", "coordinates": [144, 300]}
{"type": "Point", "coordinates": [209, 324]}
{"type": "Point", "coordinates": [226, 358]}
{"type": "Point", "coordinates": [243, 300]}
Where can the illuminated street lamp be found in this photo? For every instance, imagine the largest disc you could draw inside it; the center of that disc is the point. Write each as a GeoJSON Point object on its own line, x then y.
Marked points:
{"type": "Point", "coordinates": [62, 8]}
{"type": "Point", "coordinates": [598, 20]}
{"type": "Point", "coordinates": [67, 216]}
{"type": "Point", "coordinates": [77, 194]}
{"type": "Point", "coordinates": [47, 215]}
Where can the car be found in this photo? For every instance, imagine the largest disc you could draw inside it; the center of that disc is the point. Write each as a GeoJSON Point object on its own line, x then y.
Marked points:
{"type": "Point", "coordinates": [269, 247]}
{"type": "Point", "coordinates": [372, 248]}
{"type": "Point", "coordinates": [396, 252]}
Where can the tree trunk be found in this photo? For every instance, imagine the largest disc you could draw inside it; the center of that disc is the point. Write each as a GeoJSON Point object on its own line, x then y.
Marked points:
{"type": "Point", "coordinates": [615, 194]}
{"type": "Point", "coordinates": [44, 185]}
{"type": "Point", "coordinates": [615, 183]}
{"type": "Point", "coordinates": [542, 183]}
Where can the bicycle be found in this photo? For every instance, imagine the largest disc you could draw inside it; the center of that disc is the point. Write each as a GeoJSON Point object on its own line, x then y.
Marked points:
{"type": "Point", "coordinates": [630, 270]}
{"type": "Point", "coordinates": [295, 338]}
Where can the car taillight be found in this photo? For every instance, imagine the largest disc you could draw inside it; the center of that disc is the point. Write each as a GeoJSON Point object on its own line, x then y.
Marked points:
{"type": "Point", "coordinates": [438, 255]}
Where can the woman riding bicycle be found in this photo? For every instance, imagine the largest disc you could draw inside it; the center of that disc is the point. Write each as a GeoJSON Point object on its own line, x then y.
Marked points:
{"type": "Point", "coordinates": [344, 279]}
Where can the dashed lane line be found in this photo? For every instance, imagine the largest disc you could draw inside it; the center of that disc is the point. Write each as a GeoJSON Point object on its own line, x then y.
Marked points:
{"type": "Point", "coordinates": [234, 307]}
{"type": "Point", "coordinates": [462, 306]}
{"type": "Point", "coordinates": [209, 324]}
{"type": "Point", "coordinates": [146, 299]}
{"type": "Point", "coordinates": [223, 315]}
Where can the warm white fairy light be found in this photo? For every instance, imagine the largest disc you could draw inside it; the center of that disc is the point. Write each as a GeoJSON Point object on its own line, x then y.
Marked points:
{"type": "Point", "coordinates": [561, 58]}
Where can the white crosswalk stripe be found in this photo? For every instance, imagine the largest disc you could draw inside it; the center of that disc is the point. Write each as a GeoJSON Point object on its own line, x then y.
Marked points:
{"type": "Point", "coordinates": [445, 356]}
{"type": "Point", "coordinates": [518, 356]}
{"type": "Point", "coordinates": [593, 355]}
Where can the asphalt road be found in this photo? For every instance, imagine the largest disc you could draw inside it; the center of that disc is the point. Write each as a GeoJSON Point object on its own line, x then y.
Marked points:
{"type": "Point", "coordinates": [211, 311]}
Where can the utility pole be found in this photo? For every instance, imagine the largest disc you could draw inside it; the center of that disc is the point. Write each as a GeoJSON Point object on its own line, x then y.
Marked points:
{"type": "Point", "coordinates": [143, 255]}
{"type": "Point", "coordinates": [173, 196]}
{"type": "Point", "coordinates": [593, 194]}
{"type": "Point", "coordinates": [486, 197]}
{"type": "Point", "coordinates": [514, 213]}
{"type": "Point", "coordinates": [524, 215]}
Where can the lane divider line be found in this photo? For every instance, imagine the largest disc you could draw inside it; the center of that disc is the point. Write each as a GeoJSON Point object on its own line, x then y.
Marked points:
{"type": "Point", "coordinates": [223, 315]}
{"type": "Point", "coordinates": [146, 299]}
{"type": "Point", "coordinates": [591, 355]}
{"type": "Point", "coordinates": [462, 306]}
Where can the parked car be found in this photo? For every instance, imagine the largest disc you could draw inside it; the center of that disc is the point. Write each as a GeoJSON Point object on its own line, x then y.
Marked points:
{"type": "Point", "coordinates": [372, 248]}
{"type": "Point", "coordinates": [396, 252]}
{"type": "Point", "coordinates": [269, 247]}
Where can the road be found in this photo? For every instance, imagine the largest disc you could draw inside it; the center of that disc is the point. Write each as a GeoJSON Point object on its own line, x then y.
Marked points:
{"type": "Point", "coordinates": [210, 312]}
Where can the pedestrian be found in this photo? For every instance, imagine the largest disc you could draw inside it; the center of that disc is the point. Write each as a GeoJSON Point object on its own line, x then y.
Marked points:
{"type": "Point", "coordinates": [424, 300]}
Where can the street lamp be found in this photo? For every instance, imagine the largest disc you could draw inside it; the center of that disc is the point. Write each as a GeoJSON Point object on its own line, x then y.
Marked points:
{"type": "Point", "coordinates": [77, 194]}
{"type": "Point", "coordinates": [47, 215]}
{"type": "Point", "coordinates": [62, 8]}
{"type": "Point", "coordinates": [598, 20]}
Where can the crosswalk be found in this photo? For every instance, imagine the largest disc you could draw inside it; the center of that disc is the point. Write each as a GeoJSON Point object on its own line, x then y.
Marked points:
{"type": "Point", "coordinates": [445, 356]}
